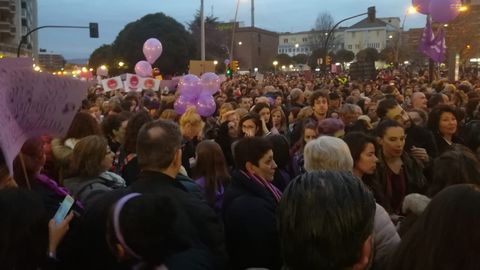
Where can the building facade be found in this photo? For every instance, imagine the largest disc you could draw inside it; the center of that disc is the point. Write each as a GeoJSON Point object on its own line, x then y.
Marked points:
{"type": "Point", "coordinates": [255, 48]}
{"type": "Point", "coordinates": [50, 61]}
{"type": "Point", "coordinates": [306, 42]}
{"type": "Point", "coordinates": [381, 33]}
{"type": "Point", "coordinates": [17, 17]}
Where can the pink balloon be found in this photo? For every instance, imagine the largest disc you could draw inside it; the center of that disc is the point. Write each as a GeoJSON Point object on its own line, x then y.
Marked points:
{"type": "Point", "coordinates": [183, 103]}
{"type": "Point", "coordinates": [422, 6]}
{"type": "Point", "coordinates": [143, 69]}
{"type": "Point", "coordinates": [152, 49]}
{"type": "Point", "coordinates": [444, 11]}
{"type": "Point", "coordinates": [210, 83]}
{"type": "Point", "coordinates": [206, 105]}
{"type": "Point", "coordinates": [189, 86]}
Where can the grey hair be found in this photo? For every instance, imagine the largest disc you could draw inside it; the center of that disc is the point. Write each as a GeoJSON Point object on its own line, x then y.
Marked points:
{"type": "Point", "coordinates": [327, 153]}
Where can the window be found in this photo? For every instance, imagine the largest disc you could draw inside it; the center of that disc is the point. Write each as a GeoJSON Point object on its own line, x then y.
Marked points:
{"type": "Point", "coordinates": [357, 46]}
{"type": "Point", "coordinates": [285, 40]}
{"type": "Point", "coordinates": [304, 39]}
{"type": "Point", "coordinates": [289, 49]}
{"type": "Point", "coordinates": [349, 46]}
{"type": "Point", "coordinates": [279, 51]}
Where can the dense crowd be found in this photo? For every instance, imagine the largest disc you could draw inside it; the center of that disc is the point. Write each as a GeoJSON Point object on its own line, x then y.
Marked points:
{"type": "Point", "coordinates": [291, 172]}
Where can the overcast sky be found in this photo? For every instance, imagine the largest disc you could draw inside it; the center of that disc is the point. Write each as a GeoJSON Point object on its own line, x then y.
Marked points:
{"type": "Point", "coordinates": [112, 16]}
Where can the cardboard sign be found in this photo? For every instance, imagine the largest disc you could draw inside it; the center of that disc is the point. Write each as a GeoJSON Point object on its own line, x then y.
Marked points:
{"type": "Point", "coordinates": [150, 84]}
{"type": "Point", "coordinates": [133, 81]}
{"type": "Point", "coordinates": [112, 84]}
{"type": "Point", "coordinates": [34, 104]}
{"type": "Point", "coordinates": [129, 89]}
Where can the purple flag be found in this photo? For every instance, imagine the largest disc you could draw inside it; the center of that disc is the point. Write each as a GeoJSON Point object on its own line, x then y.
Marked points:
{"type": "Point", "coordinates": [432, 45]}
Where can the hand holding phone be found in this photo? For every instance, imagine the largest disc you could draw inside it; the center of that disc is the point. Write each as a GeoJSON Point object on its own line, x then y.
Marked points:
{"type": "Point", "coordinates": [63, 210]}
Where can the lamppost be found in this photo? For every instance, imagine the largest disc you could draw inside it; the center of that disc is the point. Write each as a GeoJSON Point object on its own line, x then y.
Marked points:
{"type": "Point", "coordinates": [411, 10]}
{"type": "Point", "coordinates": [296, 49]}
{"type": "Point", "coordinates": [233, 31]}
{"type": "Point", "coordinates": [275, 63]}
{"type": "Point", "coordinates": [202, 32]}
{"type": "Point", "coordinates": [371, 16]}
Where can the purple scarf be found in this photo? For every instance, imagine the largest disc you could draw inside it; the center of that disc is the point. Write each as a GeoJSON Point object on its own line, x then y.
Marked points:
{"type": "Point", "coordinates": [277, 194]}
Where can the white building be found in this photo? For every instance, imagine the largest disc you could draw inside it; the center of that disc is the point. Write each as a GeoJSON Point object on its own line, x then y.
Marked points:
{"type": "Point", "coordinates": [378, 35]}
{"type": "Point", "coordinates": [305, 42]}
{"type": "Point", "coordinates": [17, 17]}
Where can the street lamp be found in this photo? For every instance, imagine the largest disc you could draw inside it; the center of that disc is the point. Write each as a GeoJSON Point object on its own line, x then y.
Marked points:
{"type": "Point", "coordinates": [275, 63]}
{"type": "Point", "coordinates": [121, 64]}
{"type": "Point", "coordinates": [240, 43]}
{"type": "Point", "coordinates": [215, 62]}
{"type": "Point", "coordinates": [410, 10]}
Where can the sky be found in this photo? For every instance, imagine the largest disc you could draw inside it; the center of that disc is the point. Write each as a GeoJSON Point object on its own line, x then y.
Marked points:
{"type": "Point", "coordinates": [273, 15]}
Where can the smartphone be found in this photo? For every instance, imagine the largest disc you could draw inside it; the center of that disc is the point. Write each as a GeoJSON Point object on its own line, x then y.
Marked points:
{"type": "Point", "coordinates": [63, 209]}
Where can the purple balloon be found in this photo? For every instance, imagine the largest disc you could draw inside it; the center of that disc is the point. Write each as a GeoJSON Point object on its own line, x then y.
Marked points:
{"type": "Point", "coordinates": [210, 83]}
{"type": "Point", "coordinates": [152, 49]}
{"type": "Point", "coordinates": [143, 69]}
{"type": "Point", "coordinates": [422, 6]}
{"type": "Point", "coordinates": [227, 61]}
{"type": "Point", "coordinates": [183, 103]}
{"type": "Point", "coordinates": [189, 86]}
{"type": "Point", "coordinates": [206, 105]}
{"type": "Point", "coordinates": [444, 11]}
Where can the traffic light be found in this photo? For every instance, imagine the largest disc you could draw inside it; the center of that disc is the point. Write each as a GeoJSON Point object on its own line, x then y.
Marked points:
{"type": "Point", "coordinates": [235, 65]}
{"type": "Point", "coordinates": [93, 30]}
{"type": "Point", "coordinates": [329, 60]}
{"type": "Point", "coordinates": [371, 14]}
{"type": "Point", "coordinates": [228, 72]}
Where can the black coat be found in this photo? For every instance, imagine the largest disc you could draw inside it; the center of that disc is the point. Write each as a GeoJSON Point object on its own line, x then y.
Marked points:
{"type": "Point", "coordinates": [250, 225]}
{"type": "Point", "coordinates": [420, 138]}
{"type": "Point", "coordinates": [208, 227]}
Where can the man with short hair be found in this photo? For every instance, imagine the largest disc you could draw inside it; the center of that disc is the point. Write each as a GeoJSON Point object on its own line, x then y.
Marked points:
{"type": "Point", "coordinates": [297, 98]}
{"type": "Point", "coordinates": [159, 153]}
{"type": "Point", "coordinates": [319, 103]}
{"type": "Point", "coordinates": [326, 222]}
{"type": "Point", "coordinates": [419, 101]}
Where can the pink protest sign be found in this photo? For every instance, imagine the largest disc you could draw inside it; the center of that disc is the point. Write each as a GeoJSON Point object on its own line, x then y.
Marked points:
{"type": "Point", "coordinates": [34, 104]}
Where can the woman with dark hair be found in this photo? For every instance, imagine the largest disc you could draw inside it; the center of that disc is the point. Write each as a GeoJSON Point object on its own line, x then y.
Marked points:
{"type": "Point", "coordinates": [456, 166]}
{"type": "Point", "coordinates": [397, 173]}
{"type": "Point", "coordinates": [446, 235]}
{"type": "Point", "coordinates": [249, 207]}
{"type": "Point", "coordinates": [281, 154]}
{"type": "Point", "coordinates": [126, 164]}
{"type": "Point", "coordinates": [28, 240]}
{"type": "Point", "coordinates": [263, 110]}
{"type": "Point", "coordinates": [443, 123]}
{"type": "Point", "coordinates": [113, 127]}
{"type": "Point", "coordinates": [211, 173]}
{"type": "Point", "coordinates": [251, 126]}
{"type": "Point", "coordinates": [363, 149]}
{"type": "Point", "coordinates": [91, 160]}
{"type": "Point", "coordinates": [83, 124]}
{"type": "Point", "coordinates": [309, 132]}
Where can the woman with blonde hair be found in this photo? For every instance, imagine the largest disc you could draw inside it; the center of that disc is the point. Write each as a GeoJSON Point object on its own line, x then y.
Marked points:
{"type": "Point", "coordinates": [191, 126]}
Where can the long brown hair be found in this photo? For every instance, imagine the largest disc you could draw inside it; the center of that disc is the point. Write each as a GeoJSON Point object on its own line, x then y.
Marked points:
{"type": "Point", "coordinates": [212, 166]}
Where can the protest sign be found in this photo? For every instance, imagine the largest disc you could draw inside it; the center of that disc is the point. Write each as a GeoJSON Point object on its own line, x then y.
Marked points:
{"type": "Point", "coordinates": [112, 84]}
{"type": "Point", "coordinates": [34, 104]}
{"type": "Point", "coordinates": [150, 84]}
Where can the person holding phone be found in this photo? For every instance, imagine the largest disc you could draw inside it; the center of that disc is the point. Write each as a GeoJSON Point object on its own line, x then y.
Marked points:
{"type": "Point", "coordinates": [25, 223]}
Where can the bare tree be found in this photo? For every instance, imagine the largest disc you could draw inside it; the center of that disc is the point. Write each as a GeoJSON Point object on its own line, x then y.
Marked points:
{"type": "Point", "coordinates": [323, 24]}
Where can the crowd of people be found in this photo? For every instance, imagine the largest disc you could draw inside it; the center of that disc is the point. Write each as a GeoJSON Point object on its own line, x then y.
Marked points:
{"type": "Point", "coordinates": [291, 172]}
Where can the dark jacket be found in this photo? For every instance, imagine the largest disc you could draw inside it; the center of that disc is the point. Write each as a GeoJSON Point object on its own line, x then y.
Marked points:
{"type": "Point", "coordinates": [208, 228]}
{"type": "Point", "coordinates": [470, 134]}
{"type": "Point", "coordinates": [421, 138]}
{"type": "Point", "coordinates": [443, 146]}
{"type": "Point", "coordinates": [415, 181]}
{"type": "Point", "coordinates": [250, 225]}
